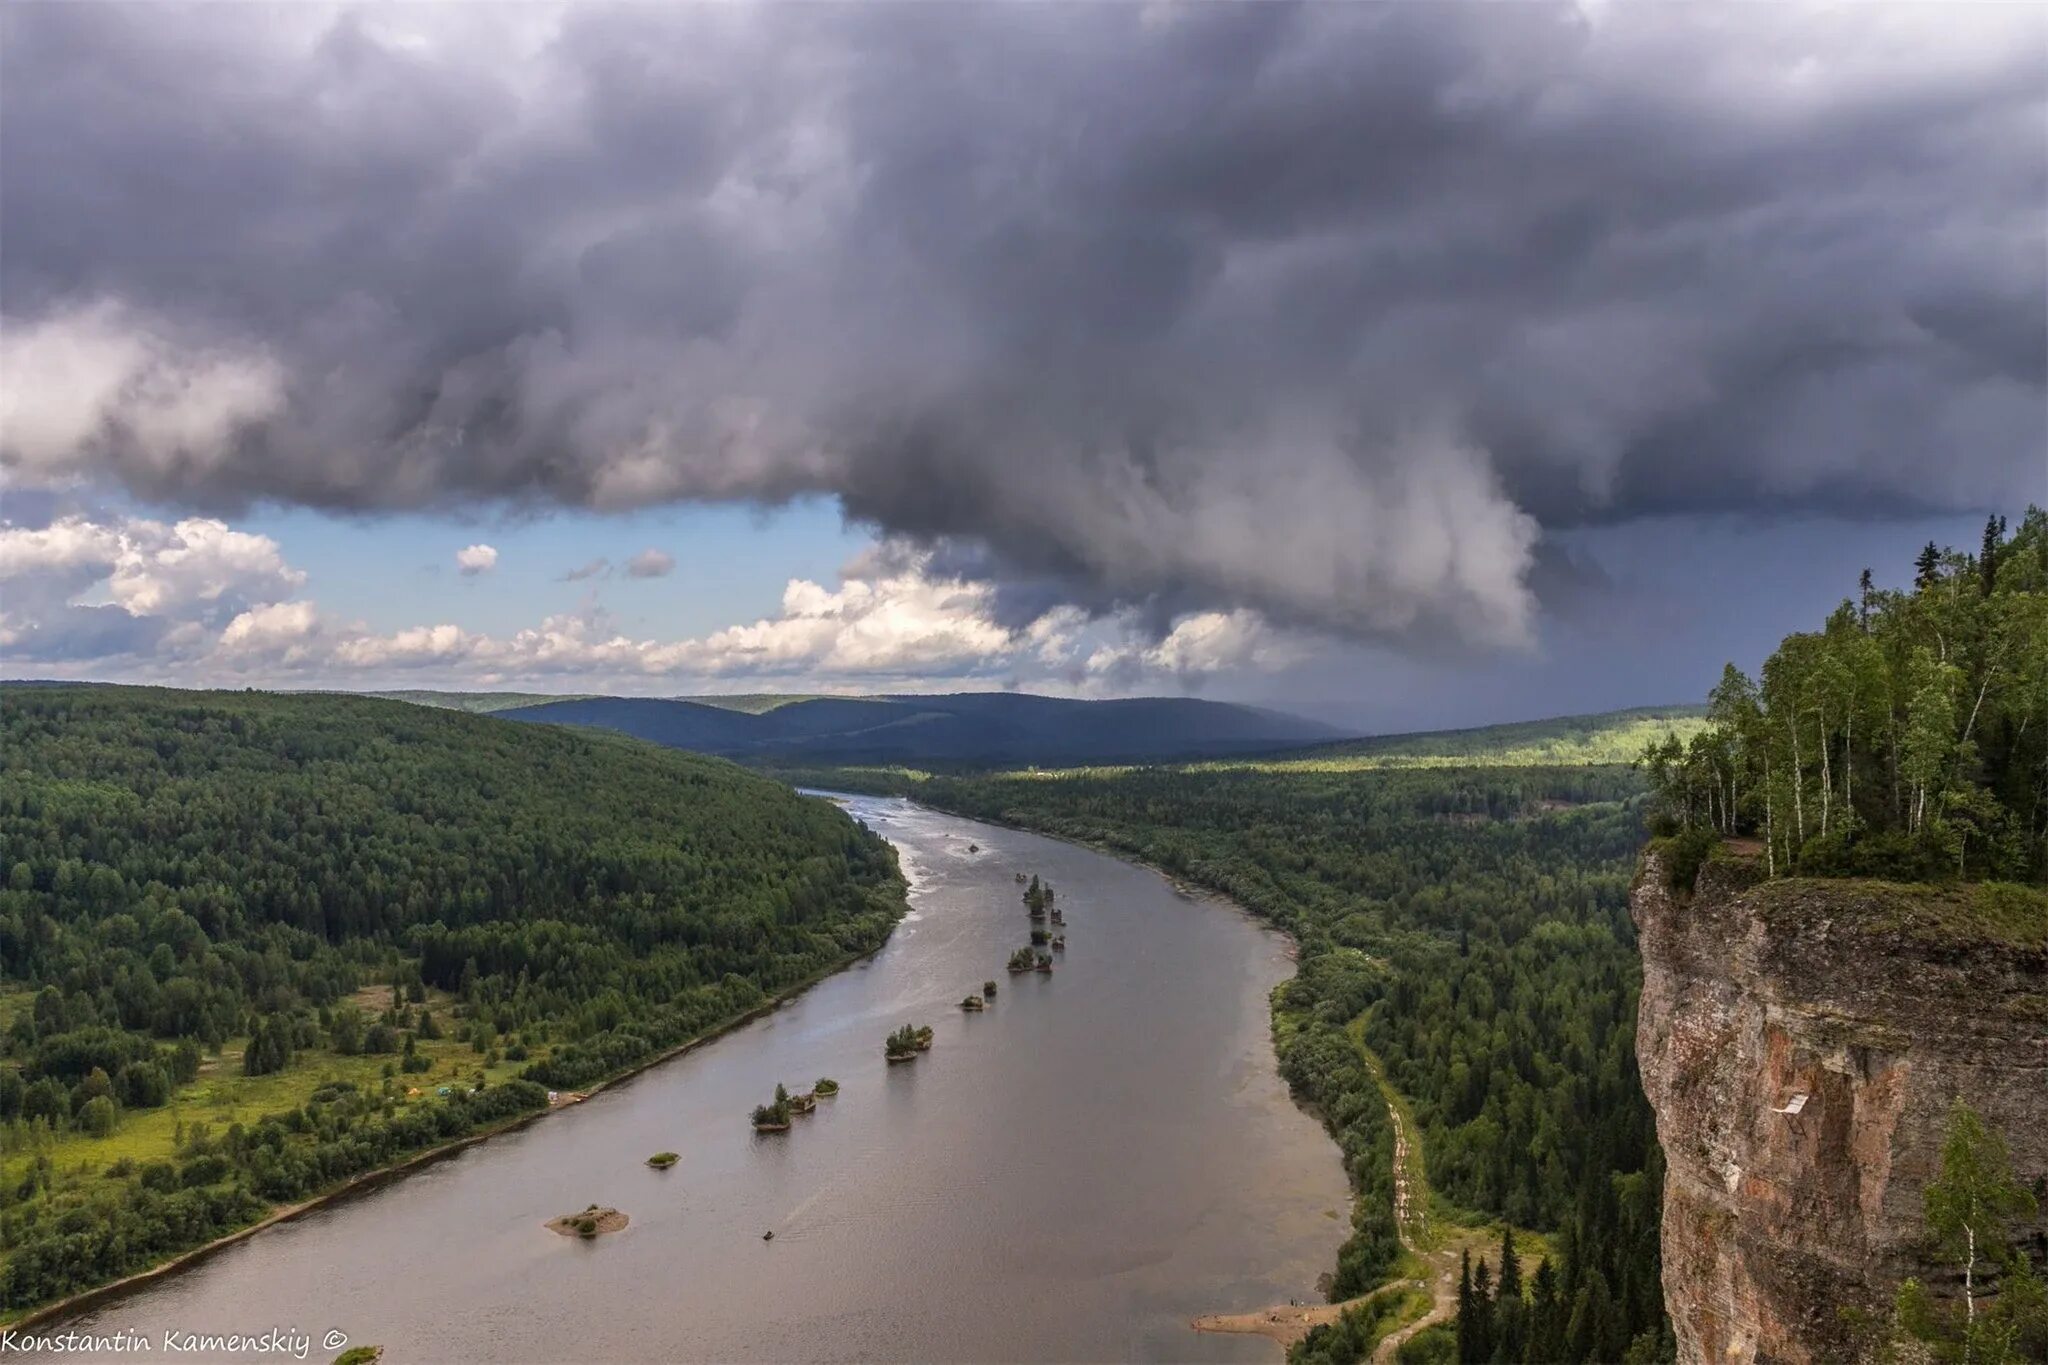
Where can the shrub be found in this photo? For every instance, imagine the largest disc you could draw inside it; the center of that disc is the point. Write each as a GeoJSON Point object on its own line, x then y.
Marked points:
{"type": "Point", "coordinates": [1685, 853]}
{"type": "Point", "coordinates": [98, 1116]}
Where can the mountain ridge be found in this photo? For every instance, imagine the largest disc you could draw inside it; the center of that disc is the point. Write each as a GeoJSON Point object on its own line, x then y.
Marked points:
{"type": "Point", "coordinates": [954, 727]}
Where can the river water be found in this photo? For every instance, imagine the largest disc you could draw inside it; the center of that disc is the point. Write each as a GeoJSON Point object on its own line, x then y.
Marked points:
{"type": "Point", "coordinates": [1070, 1176]}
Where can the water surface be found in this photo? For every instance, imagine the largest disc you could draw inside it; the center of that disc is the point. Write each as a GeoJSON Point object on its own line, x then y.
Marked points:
{"type": "Point", "coordinates": [1070, 1176]}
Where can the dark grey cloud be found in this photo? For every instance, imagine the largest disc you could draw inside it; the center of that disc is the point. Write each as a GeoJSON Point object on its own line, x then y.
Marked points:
{"type": "Point", "coordinates": [1340, 312]}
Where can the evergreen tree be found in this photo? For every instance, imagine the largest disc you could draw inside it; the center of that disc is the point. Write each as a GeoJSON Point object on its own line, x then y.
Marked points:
{"type": "Point", "coordinates": [1467, 1321]}
{"type": "Point", "coordinates": [1510, 1314]}
{"type": "Point", "coordinates": [1510, 1267]}
{"type": "Point", "coordinates": [1927, 566]}
{"type": "Point", "coordinates": [1546, 1331]}
{"type": "Point", "coordinates": [1482, 1312]}
{"type": "Point", "coordinates": [1987, 556]}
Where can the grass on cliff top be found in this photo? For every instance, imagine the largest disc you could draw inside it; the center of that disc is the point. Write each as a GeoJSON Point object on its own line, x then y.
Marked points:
{"type": "Point", "coordinates": [1970, 912]}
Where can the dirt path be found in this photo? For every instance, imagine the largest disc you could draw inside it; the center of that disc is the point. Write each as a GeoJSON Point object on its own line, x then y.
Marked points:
{"type": "Point", "coordinates": [1444, 1302]}
{"type": "Point", "coordinates": [1411, 1180]}
{"type": "Point", "coordinates": [1411, 1213]}
{"type": "Point", "coordinates": [1290, 1322]}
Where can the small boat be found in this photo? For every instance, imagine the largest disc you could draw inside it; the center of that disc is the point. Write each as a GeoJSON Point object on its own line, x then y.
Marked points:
{"type": "Point", "coordinates": [768, 1236]}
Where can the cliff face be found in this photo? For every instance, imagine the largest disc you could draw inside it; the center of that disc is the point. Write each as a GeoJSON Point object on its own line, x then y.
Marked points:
{"type": "Point", "coordinates": [1879, 1004]}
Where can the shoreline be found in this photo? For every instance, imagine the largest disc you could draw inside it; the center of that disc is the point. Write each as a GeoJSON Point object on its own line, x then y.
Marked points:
{"type": "Point", "coordinates": [368, 1181]}
{"type": "Point", "coordinates": [1287, 1323]}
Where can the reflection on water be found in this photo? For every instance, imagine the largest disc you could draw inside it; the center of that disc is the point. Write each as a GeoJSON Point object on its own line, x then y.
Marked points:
{"type": "Point", "coordinates": [1069, 1176]}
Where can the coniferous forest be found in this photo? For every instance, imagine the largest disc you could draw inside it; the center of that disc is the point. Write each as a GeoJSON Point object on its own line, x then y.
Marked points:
{"type": "Point", "coordinates": [276, 886]}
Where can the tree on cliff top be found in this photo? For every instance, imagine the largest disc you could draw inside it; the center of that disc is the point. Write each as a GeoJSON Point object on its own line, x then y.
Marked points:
{"type": "Point", "coordinates": [1970, 1209]}
{"type": "Point", "coordinates": [1907, 738]}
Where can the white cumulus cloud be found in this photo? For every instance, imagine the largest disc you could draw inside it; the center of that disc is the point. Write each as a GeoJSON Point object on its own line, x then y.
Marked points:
{"type": "Point", "coordinates": [476, 559]}
{"type": "Point", "coordinates": [197, 601]}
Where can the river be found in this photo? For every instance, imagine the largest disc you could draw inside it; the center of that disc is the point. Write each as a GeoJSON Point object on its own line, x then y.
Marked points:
{"type": "Point", "coordinates": [1070, 1176]}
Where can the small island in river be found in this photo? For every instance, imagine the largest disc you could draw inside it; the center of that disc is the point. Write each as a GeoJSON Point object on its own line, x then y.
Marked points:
{"type": "Point", "coordinates": [904, 1044]}
{"type": "Point", "coordinates": [774, 1118]}
{"type": "Point", "coordinates": [592, 1222]}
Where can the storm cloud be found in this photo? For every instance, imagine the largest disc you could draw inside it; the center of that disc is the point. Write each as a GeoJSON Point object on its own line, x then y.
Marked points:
{"type": "Point", "coordinates": [1334, 314]}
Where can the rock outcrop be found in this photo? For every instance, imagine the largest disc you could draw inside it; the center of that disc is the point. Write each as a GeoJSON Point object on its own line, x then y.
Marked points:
{"type": "Point", "coordinates": [1801, 1042]}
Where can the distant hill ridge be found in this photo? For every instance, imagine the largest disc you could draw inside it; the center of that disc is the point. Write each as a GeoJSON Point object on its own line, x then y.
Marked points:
{"type": "Point", "coordinates": [968, 727]}
{"type": "Point", "coordinates": [989, 729]}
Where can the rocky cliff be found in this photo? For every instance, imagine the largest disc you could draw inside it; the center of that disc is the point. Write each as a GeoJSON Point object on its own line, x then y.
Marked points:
{"type": "Point", "coordinates": [1801, 1042]}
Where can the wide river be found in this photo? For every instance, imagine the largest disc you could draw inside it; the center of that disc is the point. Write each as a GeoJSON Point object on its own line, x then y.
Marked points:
{"type": "Point", "coordinates": [1070, 1176]}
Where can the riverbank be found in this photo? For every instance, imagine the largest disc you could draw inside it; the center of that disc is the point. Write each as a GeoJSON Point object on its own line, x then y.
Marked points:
{"type": "Point", "coordinates": [369, 1181]}
{"type": "Point", "coordinates": [1288, 1323]}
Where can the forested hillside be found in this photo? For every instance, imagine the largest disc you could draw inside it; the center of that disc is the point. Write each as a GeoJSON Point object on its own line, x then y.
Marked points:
{"type": "Point", "coordinates": [1466, 929]}
{"type": "Point", "coordinates": [394, 924]}
{"type": "Point", "coordinates": [1907, 738]}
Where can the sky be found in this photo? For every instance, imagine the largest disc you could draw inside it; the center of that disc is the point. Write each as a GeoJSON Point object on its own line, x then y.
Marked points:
{"type": "Point", "coordinates": [1399, 364]}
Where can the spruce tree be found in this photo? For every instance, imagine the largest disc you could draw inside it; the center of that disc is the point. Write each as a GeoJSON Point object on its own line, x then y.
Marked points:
{"type": "Point", "coordinates": [1927, 567]}
{"type": "Point", "coordinates": [1987, 558]}
{"type": "Point", "coordinates": [1482, 1312]}
{"type": "Point", "coordinates": [1467, 1322]}
{"type": "Point", "coordinates": [1546, 1332]}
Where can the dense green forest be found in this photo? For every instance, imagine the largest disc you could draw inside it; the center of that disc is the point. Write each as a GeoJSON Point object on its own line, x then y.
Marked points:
{"type": "Point", "coordinates": [351, 894]}
{"type": "Point", "coordinates": [1463, 930]}
{"type": "Point", "coordinates": [1907, 738]}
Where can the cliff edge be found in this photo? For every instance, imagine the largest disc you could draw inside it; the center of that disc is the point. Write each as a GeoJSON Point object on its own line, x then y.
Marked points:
{"type": "Point", "coordinates": [1801, 1042]}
